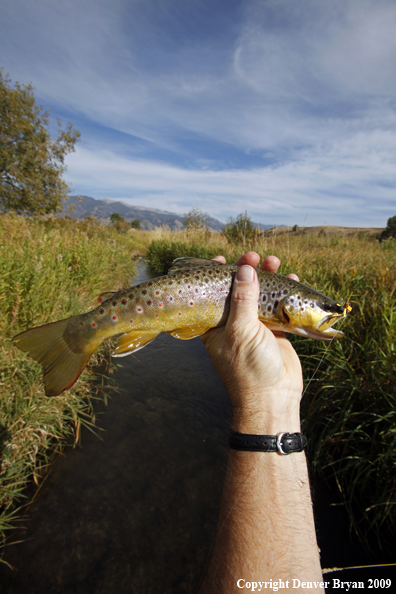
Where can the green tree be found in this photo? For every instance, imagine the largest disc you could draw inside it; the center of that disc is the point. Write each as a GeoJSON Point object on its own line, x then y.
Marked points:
{"type": "Point", "coordinates": [390, 230]}
{"type": "Point", "coordinates": [31, 161]}
{"type": "Point", "coordinates": [195, 220]}
{"type": "Point", "coordinates": [116, 218]}
{"type": "Point", "coordinates": [135, 224]}
{"type": "Point", "coordinates": [239, 230]}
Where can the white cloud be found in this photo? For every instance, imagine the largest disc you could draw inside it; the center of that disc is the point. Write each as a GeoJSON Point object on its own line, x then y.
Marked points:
{"type": "Point", "coordinates": [332, 185]}
{"type": "Point", "coordinates": [309, 85]}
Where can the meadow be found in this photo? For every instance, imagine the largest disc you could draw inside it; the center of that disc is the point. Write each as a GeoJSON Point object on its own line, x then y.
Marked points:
{"type": "Point", "coordinates": [54, 268]}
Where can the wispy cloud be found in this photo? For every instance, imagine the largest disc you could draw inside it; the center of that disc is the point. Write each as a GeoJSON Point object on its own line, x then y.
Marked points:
{"type": "Point", "coordinates": [274, 106]}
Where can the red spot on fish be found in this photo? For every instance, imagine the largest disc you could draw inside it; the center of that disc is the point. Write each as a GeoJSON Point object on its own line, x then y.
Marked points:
{"type": "Point", "coordinates": [188, 287]}
{"type": "Point", "coordinates": [100, 299]}
{"type": "Point", "coordinates": [123, 301]}
{"type": "Point", "coordinates": [157, 292]}
{"type": "Point", "coordinates": [139, 309]}
{"type": "Point", "coordinates": [179, 313]}
{"type": "Point", "coordinates": [160, 304]}
{"type": "Point", "coordinates": [156, 315]}
{"type": "Point", "coordinates": [131, 321]}
{"type": "Point", "coordinates": [179, 292]}
{"type": "Point", "coordinates": [101, 311]}
{"type": "Point", "coordinates": [93, 325]}
{"type": "Point", "coordinates": [114, 318]}
{"type": "Point", "coordinates": [170, 298]}
{"type": "Point", "coordinates": [191, 302]}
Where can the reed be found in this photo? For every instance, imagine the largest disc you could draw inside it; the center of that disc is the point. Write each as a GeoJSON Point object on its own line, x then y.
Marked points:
{"type": "Point", "coordinates": [49, 269]}
{"type": "Point", "coordinates": [349, 408]}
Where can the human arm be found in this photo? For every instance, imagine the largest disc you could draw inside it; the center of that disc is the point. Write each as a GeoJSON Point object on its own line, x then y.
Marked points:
{"type": "Point", "coordinates": [266, 529]}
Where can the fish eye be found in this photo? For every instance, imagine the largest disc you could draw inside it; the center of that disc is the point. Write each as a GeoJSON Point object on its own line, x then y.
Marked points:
{"type": "Point", "coordinates": [332, 307]}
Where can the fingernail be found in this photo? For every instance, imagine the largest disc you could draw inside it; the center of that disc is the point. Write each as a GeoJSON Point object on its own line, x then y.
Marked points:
{"type": "Point", "coordinates": [245, 274]}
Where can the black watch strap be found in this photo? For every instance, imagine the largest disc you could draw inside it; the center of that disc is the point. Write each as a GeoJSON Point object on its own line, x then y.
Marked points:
{"type": "Point", "coordinates": [284, 443]}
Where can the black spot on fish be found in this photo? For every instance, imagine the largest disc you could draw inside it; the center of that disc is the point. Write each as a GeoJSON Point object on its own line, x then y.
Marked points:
{"type": "Point", "coordinates": [114, 303]}
{"type": "Point", "coordinates": [276, 304]}
{"type": "Point", "coordinates": [264, 298]}
{"type": "Point", "coordinates": [131, 296]}
{"type": "Point", "coordinates": [269, 307]}
{"type": "Point", "coordinates": [144, 292]}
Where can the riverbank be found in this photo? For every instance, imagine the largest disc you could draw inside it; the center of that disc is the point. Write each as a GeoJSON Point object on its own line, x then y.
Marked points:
{"type": "Point", "coordinates": [49, 269]}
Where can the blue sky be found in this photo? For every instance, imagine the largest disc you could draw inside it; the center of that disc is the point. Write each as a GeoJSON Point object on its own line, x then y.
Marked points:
{"type": "Point", "coordinates": [283, 108]}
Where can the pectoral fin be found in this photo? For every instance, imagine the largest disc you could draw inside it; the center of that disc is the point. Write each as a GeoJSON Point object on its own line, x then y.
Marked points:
{"type": "Point", "coordinates": [187, 333]}
{"type": "Point", "coordinates": [132, 341]}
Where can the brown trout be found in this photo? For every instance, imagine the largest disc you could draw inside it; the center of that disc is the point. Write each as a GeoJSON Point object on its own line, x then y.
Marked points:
{"type": "Point", "coordinates": [192, 298]}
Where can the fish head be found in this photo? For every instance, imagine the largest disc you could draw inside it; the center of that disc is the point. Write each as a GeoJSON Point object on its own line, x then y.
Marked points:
{"type": "Point", "coordinates": [312, 314]}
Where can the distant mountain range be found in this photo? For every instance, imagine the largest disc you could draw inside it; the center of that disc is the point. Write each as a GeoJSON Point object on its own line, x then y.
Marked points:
{"type": "Point", "coordinates": [84, 206]}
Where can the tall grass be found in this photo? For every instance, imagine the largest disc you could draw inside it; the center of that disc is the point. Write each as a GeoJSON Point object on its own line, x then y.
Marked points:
{"type": "Point", "coordinates": [49, 269]}
{"type": "Point", "coordinates": [349, 409]}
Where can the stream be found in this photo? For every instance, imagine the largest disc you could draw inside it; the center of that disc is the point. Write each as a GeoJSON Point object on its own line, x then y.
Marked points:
{"type": "Point", "coordinates": [134, 508]}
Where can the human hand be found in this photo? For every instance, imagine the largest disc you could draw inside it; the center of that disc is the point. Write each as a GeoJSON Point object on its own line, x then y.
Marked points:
{"type": "Point", "coordinates": [260, 368]}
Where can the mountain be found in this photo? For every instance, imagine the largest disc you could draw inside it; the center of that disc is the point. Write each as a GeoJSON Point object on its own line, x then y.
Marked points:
{"type": "Point", "coordinates": [149, 218]}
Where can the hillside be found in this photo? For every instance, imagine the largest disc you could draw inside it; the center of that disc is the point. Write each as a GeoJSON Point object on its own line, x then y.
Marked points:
{"type": "Point", "coordinates": [149, 217]}
{"type": "Point", "coordinates": [84, 206]}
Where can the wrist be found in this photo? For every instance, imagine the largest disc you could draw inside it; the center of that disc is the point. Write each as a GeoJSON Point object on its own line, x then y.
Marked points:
{"type": "Point", "coordinates": [269, 414]}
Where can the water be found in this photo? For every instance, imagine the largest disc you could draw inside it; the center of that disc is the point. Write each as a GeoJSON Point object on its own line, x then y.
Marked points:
{"type": "Point", "coordinates": [135, 509]}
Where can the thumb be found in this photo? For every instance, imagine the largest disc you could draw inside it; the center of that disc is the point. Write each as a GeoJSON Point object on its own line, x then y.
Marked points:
{"type": "Point", "coordinates": [243, 314]}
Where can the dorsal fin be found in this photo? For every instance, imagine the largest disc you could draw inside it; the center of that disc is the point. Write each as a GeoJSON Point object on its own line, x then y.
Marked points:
{"type": "Point", "coordinates": [105, 296]}
{"type": "Point", "coordinates": [187, 263]}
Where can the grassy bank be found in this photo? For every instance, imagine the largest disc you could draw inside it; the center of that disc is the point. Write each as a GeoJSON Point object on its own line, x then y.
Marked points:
{"type": "Point", "coordinates": [349, 408]}
{"type": "Point", "coordinates": [49, 269]}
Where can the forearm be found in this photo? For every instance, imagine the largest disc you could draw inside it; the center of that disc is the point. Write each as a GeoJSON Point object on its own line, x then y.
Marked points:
{"type": "Point", "coordinates": [266, 529]}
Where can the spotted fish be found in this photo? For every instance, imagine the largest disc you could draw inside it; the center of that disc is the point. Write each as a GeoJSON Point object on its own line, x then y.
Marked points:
{"type": "Point", "coordinates": [192, 298]}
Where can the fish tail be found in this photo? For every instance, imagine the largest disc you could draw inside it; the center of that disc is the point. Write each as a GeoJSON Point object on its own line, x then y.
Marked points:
{"type": "Point", "coordinates": [62, 361]}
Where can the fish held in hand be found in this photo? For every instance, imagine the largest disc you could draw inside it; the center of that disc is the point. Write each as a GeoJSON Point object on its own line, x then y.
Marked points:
{"type": "Point", "coordinates": [192, 298]}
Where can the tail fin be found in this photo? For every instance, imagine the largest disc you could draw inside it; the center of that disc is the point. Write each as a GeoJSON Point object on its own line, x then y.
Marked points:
{"type": "Point", "coordinates": [46, 345]}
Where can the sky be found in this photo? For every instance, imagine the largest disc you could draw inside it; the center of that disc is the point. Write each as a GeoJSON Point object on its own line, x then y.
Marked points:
{"type": "Point", "coordinates": [283, 108]}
